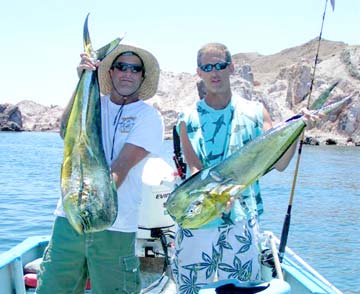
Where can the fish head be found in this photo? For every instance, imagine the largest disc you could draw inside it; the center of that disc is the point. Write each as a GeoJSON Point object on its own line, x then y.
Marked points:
{"type": "Point", "coordinates": [76, 216]}
{"type": "Point", "coordinates": [86, 210]}
{"type": "Point", "coordinates": [199, 212]}
{"type": "Point", "coordinates": [187, 204]}
{"type": "Point", "coordinates": [196, 208]}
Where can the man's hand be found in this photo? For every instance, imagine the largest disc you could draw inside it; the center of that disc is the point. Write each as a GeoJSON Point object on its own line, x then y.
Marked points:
{"type": "Point", "coordinates": [311, 118]}
{"type": "Point", "coordinates": [86, 63]}
{"type": "Point", "coordinates": [229, 205]}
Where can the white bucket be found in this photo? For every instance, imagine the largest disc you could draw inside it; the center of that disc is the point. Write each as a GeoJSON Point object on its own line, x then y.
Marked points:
{"type": "Point", "coordinates": [159, 180]}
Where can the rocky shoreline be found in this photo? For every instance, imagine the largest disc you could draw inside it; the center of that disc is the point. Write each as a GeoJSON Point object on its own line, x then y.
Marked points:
{"type": "Point", "coordinates": [280, 81]}
{"type": "Point", "coordinates": [32, 117]}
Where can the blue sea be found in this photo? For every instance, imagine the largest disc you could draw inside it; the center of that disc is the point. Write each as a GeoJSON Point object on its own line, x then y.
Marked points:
{"type": "Point", "coordinates": [325, 214]}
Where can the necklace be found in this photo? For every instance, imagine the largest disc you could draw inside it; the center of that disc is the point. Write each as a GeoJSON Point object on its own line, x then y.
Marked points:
{"type": "Point", "coordinates": [116, 124]}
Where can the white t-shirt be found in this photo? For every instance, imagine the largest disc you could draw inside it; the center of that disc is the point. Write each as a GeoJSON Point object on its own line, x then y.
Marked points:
{"type": "Point", "coordinates": [140, 124]}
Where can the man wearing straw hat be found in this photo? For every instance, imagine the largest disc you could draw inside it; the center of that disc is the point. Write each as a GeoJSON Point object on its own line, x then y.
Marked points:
{"type": "Point", "coordinates": [131, 129]}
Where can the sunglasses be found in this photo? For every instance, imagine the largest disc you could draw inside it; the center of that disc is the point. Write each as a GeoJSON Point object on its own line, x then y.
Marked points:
{"type": "Point", "coordinates": [123, 66]}
{"type": "Point", "coordinates": [218, 66]}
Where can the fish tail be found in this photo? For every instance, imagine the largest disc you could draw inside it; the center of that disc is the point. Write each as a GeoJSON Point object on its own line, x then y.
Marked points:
{"type": "Point", "coordinates": [320, 101]}
{"type": "Point", "coordinates": [101, 53]}
{"type": "Point", "coordinates": [333, 106]}
{"type": "Point", "coordinates": [87, 41]}
{"type": "Point", "coordinates": [325, 109]}
{"type": "Point", "coordinates": [104, 51]}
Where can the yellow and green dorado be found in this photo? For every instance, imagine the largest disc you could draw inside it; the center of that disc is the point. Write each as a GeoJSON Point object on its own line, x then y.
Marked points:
{"type": "Point", "coordinates": [203, 196]}
{"type": "Point", "coordinates": [88, 191]}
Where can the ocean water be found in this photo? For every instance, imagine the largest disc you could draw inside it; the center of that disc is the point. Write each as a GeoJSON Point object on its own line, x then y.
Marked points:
{"type": "Point", "coordinates": [325, 213]}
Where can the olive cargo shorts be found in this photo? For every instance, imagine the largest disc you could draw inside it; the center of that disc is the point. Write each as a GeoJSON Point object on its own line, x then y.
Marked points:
{"type": "Point", "coordinates": [106, 257]}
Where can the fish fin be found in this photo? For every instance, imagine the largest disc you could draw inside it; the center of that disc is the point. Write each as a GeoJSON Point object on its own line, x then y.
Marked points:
{"type": "Point", "coordinates": [105, 50]}
{"type": "Point", "coordinates": [296, 116]}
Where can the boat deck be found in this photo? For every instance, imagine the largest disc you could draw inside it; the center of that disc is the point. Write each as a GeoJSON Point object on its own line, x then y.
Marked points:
{"type": "Point", "coordinates": [302, 278]}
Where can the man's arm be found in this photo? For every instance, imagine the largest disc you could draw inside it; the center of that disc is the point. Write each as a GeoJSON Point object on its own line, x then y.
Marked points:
{"type": "Point", "coordinates": [191, 158]}
{"type": "Point", "coordinates": [129, 156]}
{"type": "Point", "coordinates": [310, 120]}
{"type": "Point", "coordinates": [284, 161]}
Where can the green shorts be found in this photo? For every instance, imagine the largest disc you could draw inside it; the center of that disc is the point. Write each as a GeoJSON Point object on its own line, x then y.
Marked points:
{"type": "Point", "coordinates": [107, 258]}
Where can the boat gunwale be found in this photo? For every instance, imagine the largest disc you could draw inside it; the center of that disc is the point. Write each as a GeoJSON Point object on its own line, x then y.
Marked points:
{"type": "Point", "coordinates": [294, 267]}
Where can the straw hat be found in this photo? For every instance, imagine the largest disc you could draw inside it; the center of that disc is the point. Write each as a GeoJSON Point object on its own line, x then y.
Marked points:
{"type": "Point", "coordinates": [149, 85]}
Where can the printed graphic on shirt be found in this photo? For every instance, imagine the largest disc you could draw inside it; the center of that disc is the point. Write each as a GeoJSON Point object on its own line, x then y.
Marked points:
{"type": "Point", "coordinates": [126, 124]}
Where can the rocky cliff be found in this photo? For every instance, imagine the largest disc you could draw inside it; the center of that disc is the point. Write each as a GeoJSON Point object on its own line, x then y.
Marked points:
{"type": "Point", "coordinates": [29, 116]}
{"type": "Point", "coordinates": [280, 81]}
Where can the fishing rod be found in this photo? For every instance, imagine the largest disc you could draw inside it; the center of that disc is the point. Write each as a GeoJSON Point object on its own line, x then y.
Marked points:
{"type": "Point", "coordinates": [286, 225]}
{"type": "Point", "coordinates": [178, 159]}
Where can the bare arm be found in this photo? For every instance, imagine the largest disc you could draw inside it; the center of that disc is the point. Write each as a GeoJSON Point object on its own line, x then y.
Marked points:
{"type": "Point", "coordinates": [129, 156]}
{"type": "Point", "coordinates": [284, 161]}
{"type": "Point", "coordinates": [190, 156]}
{"type": "Point", "coordinates": [309, 119]}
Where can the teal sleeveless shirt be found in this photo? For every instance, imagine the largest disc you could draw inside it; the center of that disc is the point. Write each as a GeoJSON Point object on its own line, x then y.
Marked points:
{"type": "Point", "coordinates": [217, 133]}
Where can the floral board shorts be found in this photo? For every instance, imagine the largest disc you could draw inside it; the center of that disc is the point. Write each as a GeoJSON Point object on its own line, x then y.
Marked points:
{"type": "Point", "coordinates": [203, 256]}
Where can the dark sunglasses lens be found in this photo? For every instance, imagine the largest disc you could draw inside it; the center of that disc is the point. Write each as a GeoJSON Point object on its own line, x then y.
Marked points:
{"type": "Point", "coordinates": [136, 68]}
{"type": "Point", "coordinates": [221, 65]}
{"type": "Point", "coordinates": [218, 66]}
{"type": "Point", "coordinates": [206, 67]}
{"type": "Point", "coordinates": [120, 66]}
{"type": "Point", "coordinates": [124, 66]}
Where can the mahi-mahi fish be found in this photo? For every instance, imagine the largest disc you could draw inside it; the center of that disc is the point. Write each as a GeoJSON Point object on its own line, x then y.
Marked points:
{"type": "Point", "coordinates": [203, 196]}
{"type": "Point", "coordinates": [88, 190]}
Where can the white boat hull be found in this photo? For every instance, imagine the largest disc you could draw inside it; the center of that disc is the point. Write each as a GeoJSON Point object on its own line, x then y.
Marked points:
{"type": "Point", "coordinates": [299, 276]}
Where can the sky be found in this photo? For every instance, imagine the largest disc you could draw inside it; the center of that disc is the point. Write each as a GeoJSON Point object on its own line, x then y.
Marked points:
{"type": "Point", "coordinates": [41, 40]}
